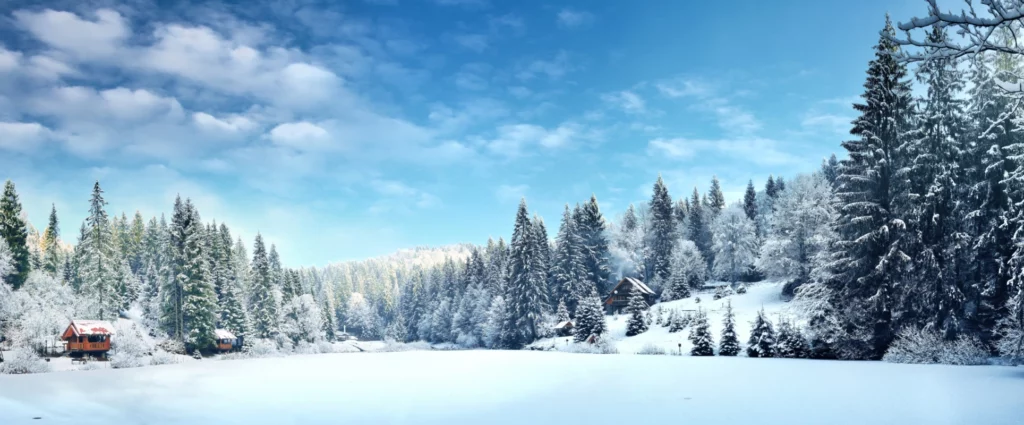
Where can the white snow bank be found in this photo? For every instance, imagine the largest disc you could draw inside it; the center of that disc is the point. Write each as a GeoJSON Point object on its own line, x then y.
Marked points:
{"type": "Point", "coordinates": [519, 387]}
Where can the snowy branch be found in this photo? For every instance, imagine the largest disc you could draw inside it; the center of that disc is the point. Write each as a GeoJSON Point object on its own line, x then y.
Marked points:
{"type": "Point", "coordinates": [997, 32]}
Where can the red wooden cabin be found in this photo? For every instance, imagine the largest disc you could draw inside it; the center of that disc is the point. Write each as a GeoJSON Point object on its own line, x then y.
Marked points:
{"type": "Point", "coordinates": [225, 340]}
{"type": "Point", "coordinates": [90, 337]}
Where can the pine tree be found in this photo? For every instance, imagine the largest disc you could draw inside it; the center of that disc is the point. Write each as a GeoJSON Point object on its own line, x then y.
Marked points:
{"type": "Point", "coordinates": [830, 169]}
{"type": "Point", "coordinates": [98, 262]}
{"type": "Point", "coordinates": [199, 300]}
{"type": "Point", "coordinates": [137, 235]}
{"type": "Point", "coordinates": [770, 188]}
{"type": "Point", "coordinates": [526, 294]}
{"type": "Point", "coordinates": [52, 261]}
{"type": "Point", "coordinates": [591, 226]}
{"type": "Point", "coordinates": [791, 342]}
{"type": "Point", "coordinates": [637, 305]}
{"type": "Point", "coordinates": [867, 258]}
{"type": "Point", "coordinates": [700, 336]}
{"type": "Point", "coordinates": [735, 244]}
{"type": "Point", "coordinates": [562, 313]}
{"type": "Point", "coordinates": [569, 270]}
{"type": "Point", "coordinates": [762, 337]}
{"type": "Point", "coordinates": [264, 305]}
{"type": "Point", "coordinates": [699, 230]}
{"type": "Point", "coordinates": [750, 202]}
{"type": "Point", "coordinates": [590, 318]}
{"type": "Point", "coordinates": [716, 200]}
{"type": "Point", "coordinates": [662, 230]}
{"type": "Point", "coordinates": [14, 231]}
{"type": "Point", "coordinates": [729, 345]}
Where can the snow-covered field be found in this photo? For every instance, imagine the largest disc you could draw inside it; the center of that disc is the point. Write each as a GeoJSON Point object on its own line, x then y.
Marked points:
{"type": "Point", "coordinates": [518, 387]}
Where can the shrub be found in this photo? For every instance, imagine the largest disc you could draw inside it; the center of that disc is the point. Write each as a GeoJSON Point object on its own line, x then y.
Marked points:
{"type": "Point", "coordinates": [161, 357]}
{"type": "Point", "coordinates": [325, 347]}
{"type": "Point", "coordinates": [263, 348]}
{"type": "Point", "coordinates": [600, 347]}
{"type": "Point", "coordinates": [90, 366]}
{"type": "Point", "coordinates": [926, 346]}
{"type": "Point", "coordinates": [391, 345]}
{"type": "Point", "coordinates": [128, 347]}
{"type": "Point", "coordinates": [23, 360]}
{"type": "Point", "coordinates": [172, 346]}
{"type": "Point", "coordinates": [651, 350]}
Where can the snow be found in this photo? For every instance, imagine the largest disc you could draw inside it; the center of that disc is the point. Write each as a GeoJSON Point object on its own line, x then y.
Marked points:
{"type": "Point", "coordinates": [518, 387]}
{"type": "Point", "coordinates": [92, 327]}
{"type": "Point", "coordinates": [223, 334]}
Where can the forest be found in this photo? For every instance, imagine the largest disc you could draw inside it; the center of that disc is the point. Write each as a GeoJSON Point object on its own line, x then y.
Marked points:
{"type": "Point", "coordinates": [915, 233]}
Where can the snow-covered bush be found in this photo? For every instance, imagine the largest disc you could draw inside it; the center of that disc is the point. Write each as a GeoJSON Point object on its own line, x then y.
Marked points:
{"type": "Point", "coordinates": [90, 366]}
{"type": "Point", "coordinates": [600, 347]}
{"type": "Point", "coordinates": [172, 346]}
{"type": "Point", "coordinates": [325, 347]}
{"type": "Point", "coordinates": [723, 291]}
{"type": "Point", "coordinates": [926, 346]}
{"type": "Point", "coordinates": [262, 348]}
{"type": "Point", "coordinates": [1011, 345]}
{"type": "Point", "coordinates": [23, 360]}
{"type": "Point", "coordinates": [391, 346]}
{"type": "Point", "coordinates": [651, 349]}
{"type": "Point", "coordinates": [303, 320]}
{"type": "Point", "coordinates": [161, 357]}
{"type": "Point", "coordinates": [128, 346]}
{"type": "Point", "coordinates": [304, 347]}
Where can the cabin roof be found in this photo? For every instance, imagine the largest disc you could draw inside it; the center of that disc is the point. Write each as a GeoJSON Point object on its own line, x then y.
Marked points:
{"type": "Point", "coordinates": [223, 334]}
{"type": "Point", "coordinates": [635, 282]}
{"type": "Point", "coordinates": [91, 327]}
{"type": "Point", "coordinates": [561, 325]}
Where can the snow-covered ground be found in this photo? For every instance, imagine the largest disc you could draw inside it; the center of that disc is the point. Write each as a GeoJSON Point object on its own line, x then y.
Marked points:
{"type": "Point", "coordinates": [745, 307]}
{"type": "Point", "coordinates": [518, 387]}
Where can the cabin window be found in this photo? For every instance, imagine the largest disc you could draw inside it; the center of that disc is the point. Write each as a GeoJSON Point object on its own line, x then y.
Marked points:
{"type": "Point", "coordinates": [97, 338]}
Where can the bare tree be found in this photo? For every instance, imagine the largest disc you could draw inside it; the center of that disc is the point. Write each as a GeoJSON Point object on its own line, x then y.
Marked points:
{"type": "Point", "coordinates": [995, 29]}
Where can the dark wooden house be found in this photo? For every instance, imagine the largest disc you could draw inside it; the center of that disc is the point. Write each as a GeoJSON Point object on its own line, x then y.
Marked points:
{"type": "Point", "coordinates": [564, 328]}
{"type": "Point", "coordinates": [226, 341]}
{"type": "Point", "coordinates": [618, 299]}
{"type": "Point", "coordinates": [88, 337]}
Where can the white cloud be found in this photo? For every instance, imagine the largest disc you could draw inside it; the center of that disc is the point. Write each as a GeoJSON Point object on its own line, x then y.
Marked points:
{"type": "Point", "coordinates": [231, 124]}
{"type": "Point", "coordinates": [474, 42]}
{"type": "Point", "coordinates": [569, 18]}
{"type": "Point", "coordinates": [757, 150]}
{"type": "Point", "coordinates": [9, 60]}
{"type": "Point", "coordinates": [554, 69]}
{"type": "Point", "coordinates": [302, 136]}
{"type": "Point", "coordinates": [512, 139]}
{"type": "Point", "coordinates": [626, 100]}
{"type": "Point", "coordinates": [22, 136]}
{"type": "Point", "coordinates": [511, 193]}
{"type": "Point", "coordinates": [683, 87]}
{"type": "Point", "coordinates": [399, 196]}
{"type": "Point", "coordinates": [84, 39]}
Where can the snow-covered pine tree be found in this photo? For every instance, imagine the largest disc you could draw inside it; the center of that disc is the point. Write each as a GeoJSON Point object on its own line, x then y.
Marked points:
{"type": "Point", "coordinates": [562, 312]}
{"type": "Point", "coordinates": [97, 264]}
{"type": "Point", "coordinates": [569, 270]}
{"type": "Point", "coordinates": [136, 247]}
{"type": "Point", "coordinates": [866, 260]}
{"type": "Point", "coordinates": [689, 270]}
{"type": "Point", "coordinates": [762, 337]}
{"type": "Point", "coordinates": [264, 304]}
{"type": "Point", "coordinates": [126, 285]}
{"type": "Point", "coordinates": [678, 322]}
{"type": "Point", "coordinates": [589, 318]}
{"type": "Point", "coordinates": [716, 199]}
{"type": "Point", "coordinates": [700, 335]}
{"type": "Point", "coordinates": [630, 243]}
{"type": "Point", "coordinates": [594, 244]}
{"type": "Point", "coordinates": [801, 230]}
{"type": "Point", "coordinates": [699, 228]}
{"type": "Point", "coordinates": [199, 300]}
{"type": "Point", "coordinates": [14, 231]}
{"type": "Point", "coordinates": [791, 342]}
{"type": "Point", "coordinates": [750, 201]}
{"type": "Point", "coordinates": [526, 294]}
{"type": "Point", "coordinates": [729, 345]}
{"type": "Point", "coordinates": [735, 243]}
{"type": "Point", "coordinates": [636, 324]}
{"type": "Point", "coordinates": [52, 255]}
{"type": "Point", "coordinates": [830, 169]}
{"type": "Point", "coordinates": [662, 231]}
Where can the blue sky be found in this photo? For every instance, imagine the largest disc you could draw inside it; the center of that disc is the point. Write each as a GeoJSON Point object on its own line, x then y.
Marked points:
{"type": "Point", "coordinates": [345, 130]}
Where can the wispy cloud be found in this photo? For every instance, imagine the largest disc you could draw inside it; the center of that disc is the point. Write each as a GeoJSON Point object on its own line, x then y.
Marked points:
{"type": "Point", "coordinates": [626, 100]}
{"type": "Point", "coordinates": [757, 150]}
{"type": "Point", "coordinates": [554, 68]}
{"type": "Point", "coordinates": [571, 18]}
{"type": "Point", "coordinates": [511, 193]}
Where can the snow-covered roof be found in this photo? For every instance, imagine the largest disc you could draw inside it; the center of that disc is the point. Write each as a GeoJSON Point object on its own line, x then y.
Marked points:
{"type": "Point", "coordinates": [561, 325]}
{"type": "Point", "coordinates": [91, 327]}
{"type": "Point", "coordinates": [223, 334]}
{"type": "Point", "coordinates": [635, 282]}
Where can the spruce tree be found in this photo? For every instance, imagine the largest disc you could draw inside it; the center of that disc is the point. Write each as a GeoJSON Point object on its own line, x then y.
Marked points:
{"type": "Point", "coordinates": [136, 236]}
{"type": "Point", "coordinates": [700, 336]}
{"type": "Point", "coordinates": [98, 262]}
{"type": "Point", "coordinates": [526, 285]}
{"type": "Point", "coordinates": [762, 337]}
{"type": "Point", "coordinates": [662, 231]}
{"type": "Point", "coordinates": [569, 270]}
{"type": "Point", "coordinates": [791, 342]}
{"type": "Point", "coordinates": [699, 230]}
{"type": "Point", "coordinates": [770, 189]}
{"type": "Point", "coordinates": [716, 199]}
{"type": "Point", "coordinates": [867, 258]}
{"type": "Point", "coordinates": [637, 305]}
{"type": "Point", "coordinates": [562, 313]}
{"type": "Point", "coordinates": [590, 318]}
{"type": "Point", "coordinates": [830, 169]}
{"type": "Point", "coordinates": [264, 305]}
{"type": "Point", "coordinates": [592, 230]}
{"type": "Point", "coordinates": [15, 232]}
{"type": "Point", "coordinates": [750, 201]}
{"type": "Point", "coordinates": [52, 261]}
{"type": "Point", "coordinates": [729, 345]}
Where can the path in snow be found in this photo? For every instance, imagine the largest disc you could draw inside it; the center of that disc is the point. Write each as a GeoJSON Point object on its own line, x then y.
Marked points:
{"type": "Point", "coordinates": [507, 387]}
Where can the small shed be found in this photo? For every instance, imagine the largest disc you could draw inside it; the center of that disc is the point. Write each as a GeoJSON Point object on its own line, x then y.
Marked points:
{"type": "Point", "coordinates": [618, 299]}
{"type": "Point", "coordinates": [225, 339]}
{"type": "Point", "coordinates": [564, 328]}
{"type": "Point", "coordinates": [88, 337]}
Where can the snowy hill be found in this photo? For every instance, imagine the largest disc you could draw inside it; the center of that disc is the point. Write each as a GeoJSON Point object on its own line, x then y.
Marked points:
{"type": "Point", "coordinates": [745, 306]}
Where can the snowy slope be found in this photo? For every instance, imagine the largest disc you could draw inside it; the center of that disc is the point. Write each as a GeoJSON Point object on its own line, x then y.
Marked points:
{"type": "Point", "coordinates": [518, 387]}
{"type": "Point", "coordinates": [745, 307]}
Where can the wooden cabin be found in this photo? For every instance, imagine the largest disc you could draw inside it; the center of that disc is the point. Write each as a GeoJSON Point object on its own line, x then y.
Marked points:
{"type": "Point", "coordinates": [564, 328]}
{"type": "Point", "coordinates": [88, 337]}
{"type": "Point", "coordinates": [226, 340]}
{"type": "Point", "coordinates": [618, 299]}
